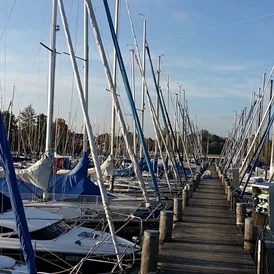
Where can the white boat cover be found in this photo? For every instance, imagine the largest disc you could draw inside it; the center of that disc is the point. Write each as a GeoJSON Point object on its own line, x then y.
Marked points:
{"type": "Point", "coordinates": [106, 166]}
{"type": "Point", "coordinates": [39, 173]}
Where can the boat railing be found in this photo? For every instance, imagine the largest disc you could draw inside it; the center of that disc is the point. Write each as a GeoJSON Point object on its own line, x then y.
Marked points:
{"type": "Point", "coordinates": [153, 211]}
{"type": "Point", "coordinates": [129, 219]}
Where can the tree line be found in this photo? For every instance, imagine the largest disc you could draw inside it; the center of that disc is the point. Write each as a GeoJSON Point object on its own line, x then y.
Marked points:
{"type": "Point", "coordinates": [27, 133]}
{"type": "Point", "coordinates": [27, 136]}
{"type": "Point", "coordinates": [212, 142]}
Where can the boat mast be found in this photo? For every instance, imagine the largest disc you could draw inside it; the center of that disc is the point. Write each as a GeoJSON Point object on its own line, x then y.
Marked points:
{"type": "Point", "coordinates": [116, 101]}
{"type": "Point", "coordinates": [133, 95]}
{"type": "Point", "coordinates": [86, 70]}
{"type": "Point", "coordinates": [143, 83]}
{"type": "Point", "coordinates": [157, 103]}
{"type": "Point", "coordinates": [11, 107]}
{"type": "Point", "coordinates": [51, 82]}
{"type": "Point", "coordinates": [94, 153]}
{"type": "Point", "coordinates": [114, 77]}
{"type": "Point", "coordinates": [167, 102]}
{"type": "Point", "coordinates": [129, 95]}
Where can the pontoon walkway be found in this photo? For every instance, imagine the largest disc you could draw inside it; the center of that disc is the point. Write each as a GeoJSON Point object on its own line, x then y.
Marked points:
{"type": "Point", "coordinates": [208, 240]}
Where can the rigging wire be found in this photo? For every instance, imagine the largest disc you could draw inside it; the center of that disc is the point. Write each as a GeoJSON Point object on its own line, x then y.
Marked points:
{"type": "Point", "coordinates": [7, 20]}
{"type": "Point", "coordinates": [213, 28]}
{"type": "Point", "coordinates": [46, 14]}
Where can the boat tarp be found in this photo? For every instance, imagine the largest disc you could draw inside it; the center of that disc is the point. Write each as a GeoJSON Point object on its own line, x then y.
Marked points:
{"type": "Point", "coordinates": [72, 184]}
{"type": "Point", "coordinates": [39, 173]}
{"type": "Point", "coordinates": [125, 172]}
{"type": "Point", "coordinates": [106, 167]}
{"type": "Point", "coordinates": [75, 182]}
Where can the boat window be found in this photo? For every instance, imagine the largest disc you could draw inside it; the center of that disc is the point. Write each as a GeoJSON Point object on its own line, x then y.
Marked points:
{"type": "Point", "coordinates": [4, 229]}
{"type": "Point", "coordinates": [50, 232]}
{"type": "Point", "coordinates": [86, 234]}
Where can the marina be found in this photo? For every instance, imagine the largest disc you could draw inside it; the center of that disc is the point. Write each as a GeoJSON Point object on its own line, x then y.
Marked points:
{"type": "Point", "coordinates": [125, 153]}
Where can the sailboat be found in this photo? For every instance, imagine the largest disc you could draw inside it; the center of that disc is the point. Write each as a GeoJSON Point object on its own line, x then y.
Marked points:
{"type": "Point", "coordinates": [53, 241]}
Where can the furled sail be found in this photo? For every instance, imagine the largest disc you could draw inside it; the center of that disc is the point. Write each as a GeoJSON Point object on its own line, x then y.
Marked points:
{"type": "Point", "coordinates": [39, 173]}
{"type": "Point", "coordinates": [107, 168]}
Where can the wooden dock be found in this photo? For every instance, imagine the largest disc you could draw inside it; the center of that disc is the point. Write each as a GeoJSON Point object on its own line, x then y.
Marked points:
{"type": "Point", "coordinates": [208, 240]}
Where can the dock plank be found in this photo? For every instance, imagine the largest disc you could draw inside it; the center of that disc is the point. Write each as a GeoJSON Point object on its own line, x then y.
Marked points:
{"type": "Point", "coordinates": [208, 240]}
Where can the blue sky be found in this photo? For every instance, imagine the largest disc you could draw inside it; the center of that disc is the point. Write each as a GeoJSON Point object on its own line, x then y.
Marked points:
{"type": "Point", "coordinates": [218, 50]}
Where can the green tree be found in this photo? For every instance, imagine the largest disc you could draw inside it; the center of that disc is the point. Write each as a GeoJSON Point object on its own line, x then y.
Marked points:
{"type": "Point", "coordinates": [60, 133]}
{"type": "Point", "coordinates": [40, 136]}
{"type": "Point", "coordinates": [28, 127]}
{"type": "Point", "coordinates": [12, 132]}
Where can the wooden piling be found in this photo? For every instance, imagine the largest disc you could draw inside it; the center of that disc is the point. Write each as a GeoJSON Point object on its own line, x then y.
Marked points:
{"type": "Point", "coordinates": [150, 250]}
{"type": "Point", "coordinates": [166, 225]}
{"type": "Point", "coordinates": [226, 185]}
{"type": "Point", "coordinates": [185, 196]}
{"type": "Point", "coordinates": [249, 235]}
{"type": "Point", "coordinates": [223, 180]}
{"type": "Point", "coordinates": [240, 213]}
{"type": "Point", "coordinates": [177, 208]}
{"type": "Point", "coordinates": [229, 193]}
{"type": "Point", "coordinates": [190, 187]}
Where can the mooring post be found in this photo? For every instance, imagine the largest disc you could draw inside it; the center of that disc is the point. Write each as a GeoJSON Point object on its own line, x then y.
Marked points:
{"type": "Point", "coordinates": [177, 208]}
{"type": "Point", "coordinates": [150, 250]}
{"type": "Point", "coordinates": [185, 195]}
{"type": "Point", "coordinates": [184, 199]}
{"type": "Point", "coordinates": [229, 193]}
{"type": "Point", "coordinates": [249, 235]}
{"type": "Point", "coordinates": [191, 189]}
{"type": "Point", "coordinates": [240, 214]}
{"type": "Point", "coordinates": [226, 185]}
{"type": "Point", "coordinates": [223, 180]}
{"type": "Point", "coordinates": [232, 201]}
{"type": "Point", "coordinates": [166, 225]}
{"type": "Point", "coordinates": [194, 182]}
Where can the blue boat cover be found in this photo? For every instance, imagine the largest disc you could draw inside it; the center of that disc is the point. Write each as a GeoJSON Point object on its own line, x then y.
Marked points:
{"type": "Point", "coordinates": [73, 184]}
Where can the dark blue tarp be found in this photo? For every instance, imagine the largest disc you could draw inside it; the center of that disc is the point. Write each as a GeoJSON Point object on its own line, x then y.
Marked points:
{"type": "Point", "coordinates": [16, 201]}
{"type": "Point", "coordinates": [125, 172]}
{"type": "Point", "coordinates": [73, 184]}
{"type": "Point", "coordinates": [180, 170]}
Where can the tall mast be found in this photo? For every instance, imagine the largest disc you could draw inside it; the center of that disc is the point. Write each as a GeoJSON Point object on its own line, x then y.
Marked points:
{"type": "Point", "coordinates": [143, 84]}
{"type": "Point", "coordinates": [115, 99]}
{"type": "Point", "coordinates": [157, 101]}
{"type": "Point", "coordinates": [178, 117]}
{"type": "Point", "coordinates": [51, 82]}
{"type": "Point", "coordinates": [11, 107]}
{"type": "Point", "coordinates": [56, 130]}
{"type": "Point", "coordinates": [184, 118]}
{"type": "Point", "coordinates": [94, 153]}
{"type": "Point", "coordinates": [129, 95]}
{"type": "Point", "coordinates": [86, 70]}
{"type": "Point", "coordinates": [114, 76]}
{"type": "Point", "coordinates": [167, 102]}
{"type": "Point", "coordinates": [133, 94]}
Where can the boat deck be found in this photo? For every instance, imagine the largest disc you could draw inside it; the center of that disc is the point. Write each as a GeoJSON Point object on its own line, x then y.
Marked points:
{"type": "Point", "coordinates": [208, 240]}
